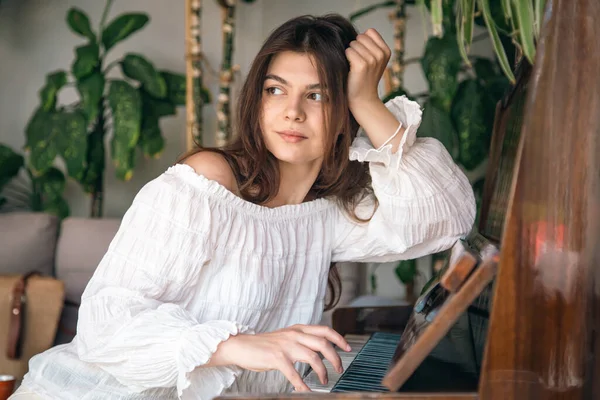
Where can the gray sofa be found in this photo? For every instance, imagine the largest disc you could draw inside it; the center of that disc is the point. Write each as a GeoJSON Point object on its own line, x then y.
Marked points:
{"type": "Point", "coordinates": [69, 251]}
{"type": "Point", "coordinates": [72, 250]}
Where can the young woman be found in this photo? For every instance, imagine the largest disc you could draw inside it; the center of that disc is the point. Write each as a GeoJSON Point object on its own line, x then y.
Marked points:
{"type": "Point", "coordinates": [217, 277]}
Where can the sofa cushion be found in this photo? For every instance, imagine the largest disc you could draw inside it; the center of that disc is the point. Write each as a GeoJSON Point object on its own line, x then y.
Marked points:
{"type": "Point", "coordinates": [81, 246]}
{"type": "Point", "coordinates": [28, 242]}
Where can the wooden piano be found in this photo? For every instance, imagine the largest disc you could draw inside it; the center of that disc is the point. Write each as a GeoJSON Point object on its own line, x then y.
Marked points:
{"type": "Point", "coordinates": [515, 312]}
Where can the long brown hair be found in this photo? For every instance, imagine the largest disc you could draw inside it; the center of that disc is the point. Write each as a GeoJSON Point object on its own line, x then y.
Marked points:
{"type": "Point", "coordinates": [255, 168]}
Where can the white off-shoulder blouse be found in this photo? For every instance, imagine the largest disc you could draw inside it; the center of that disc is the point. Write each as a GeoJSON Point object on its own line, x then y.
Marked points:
{"type": "Point", "coordinates": [192, 264]}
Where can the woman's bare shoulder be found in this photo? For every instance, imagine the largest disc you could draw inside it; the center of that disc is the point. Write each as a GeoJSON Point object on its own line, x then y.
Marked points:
{"type": "Point", "coordinates": [213, 166]}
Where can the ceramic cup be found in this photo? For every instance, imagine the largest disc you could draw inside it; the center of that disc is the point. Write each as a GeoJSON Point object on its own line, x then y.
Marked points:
{"type": "Point", "coordinates": [7, 386]}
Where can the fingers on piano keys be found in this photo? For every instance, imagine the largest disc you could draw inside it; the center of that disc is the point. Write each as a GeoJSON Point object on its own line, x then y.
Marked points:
{"type": "Point", "coordinates": [364, 367]}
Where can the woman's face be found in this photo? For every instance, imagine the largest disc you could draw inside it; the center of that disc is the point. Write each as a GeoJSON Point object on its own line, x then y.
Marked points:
{"type": "Point", "coordinates": [292, 118]}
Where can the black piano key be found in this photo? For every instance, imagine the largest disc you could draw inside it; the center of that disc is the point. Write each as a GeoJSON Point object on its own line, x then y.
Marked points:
{"type": "Point", "coordinates": [370, 365]}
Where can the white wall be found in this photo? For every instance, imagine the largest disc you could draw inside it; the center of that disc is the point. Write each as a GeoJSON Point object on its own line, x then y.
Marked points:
{"type": "Point", "coordinates": [34, 40]}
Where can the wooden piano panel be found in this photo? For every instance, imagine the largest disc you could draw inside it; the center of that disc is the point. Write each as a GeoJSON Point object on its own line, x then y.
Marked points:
{"type": "Point", "coordinates": [539, 342]}
{"type": "Point", "coordinates": [449, 313]}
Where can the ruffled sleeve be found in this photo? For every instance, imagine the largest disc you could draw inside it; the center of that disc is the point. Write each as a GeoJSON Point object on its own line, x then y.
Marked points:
{"type": "Point", "coordinates": [425, 201]}
{"type": "Point", "coordinates": [131, 322]}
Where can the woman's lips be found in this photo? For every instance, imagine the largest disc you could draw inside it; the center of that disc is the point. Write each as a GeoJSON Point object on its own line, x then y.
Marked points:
{"type": "Point", "coordinates": [292, 136]}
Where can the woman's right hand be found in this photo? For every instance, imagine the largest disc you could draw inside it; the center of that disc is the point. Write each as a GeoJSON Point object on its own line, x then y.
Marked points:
{"type": "Point", "coordinates": [279, 350]}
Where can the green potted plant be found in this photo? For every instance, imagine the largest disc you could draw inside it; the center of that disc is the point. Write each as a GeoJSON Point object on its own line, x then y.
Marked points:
{"type": "Point", "coordinates": [129, 108]}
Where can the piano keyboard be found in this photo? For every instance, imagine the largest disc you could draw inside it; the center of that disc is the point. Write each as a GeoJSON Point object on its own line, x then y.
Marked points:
{"type": "Point", "coordinates": [364, 366]}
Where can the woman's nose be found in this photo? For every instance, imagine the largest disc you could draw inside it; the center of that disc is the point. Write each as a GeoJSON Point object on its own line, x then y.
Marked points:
{"type": "Point", "coordinates": [294, 110]}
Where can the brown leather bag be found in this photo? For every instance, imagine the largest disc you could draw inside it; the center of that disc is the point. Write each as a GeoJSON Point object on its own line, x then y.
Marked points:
{"type": "Point", "coordinates": [30, 308]}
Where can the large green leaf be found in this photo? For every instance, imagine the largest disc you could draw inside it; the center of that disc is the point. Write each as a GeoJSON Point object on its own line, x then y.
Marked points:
{"type": "Point", "coordinates": [137, 67]}
{"type": "Point", "coordinates": [58, 207]}
{"type": "Point", "coordinates": [51, 184]}
{"type": "Point", "coordinates": [40, 140]}
{"type": "Point", "coordinates": [441, 64]}
{"type": "Point", "coordinates": [57, 133]}
{"type": "Point", "coordinates": [36, 123]}
{"type": "Point", "coordinates": [79, 23]}
{"type": "Point", "coordinates": [154, 107]}
{"type": "Point", "coordinates": [10, 164]}
{"type": "Point", "coordinates": [176, 89]}
{"type": "Point", "coordinates": [71, 141]}
{"type": "Point", "coordinates": [496, 87]}
{"type": "Point", "coordinates": [124, 159]}
{"type": "Point", "coordinates": [122, 27]}
{"type": "Point", "coordinates": [54, 82]}
{"type": "Point", "coordinates": [472, 115]}
{"type": "Point", "coordinates": [95, 161]}
{"type": "Point", "coordinates": [91, 89]}
{"type": "Point", "coordinates": [126, 105]}
{"type": "Point", "coordinates": [151, 141]}
{"type": "Point", "coordinates": [86, 60]}
{"type": "Point", "coordinates": [485, 69]}
{"type": "Point", "coordinates": [436, 123]}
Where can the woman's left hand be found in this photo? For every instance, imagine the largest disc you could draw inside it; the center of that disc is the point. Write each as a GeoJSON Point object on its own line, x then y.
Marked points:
{"type": "Point", "coordinates": [368, 56]}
